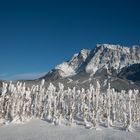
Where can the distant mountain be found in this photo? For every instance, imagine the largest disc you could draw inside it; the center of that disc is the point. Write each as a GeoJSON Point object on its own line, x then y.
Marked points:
{"type": "Point", "coordinates": [105, 63]}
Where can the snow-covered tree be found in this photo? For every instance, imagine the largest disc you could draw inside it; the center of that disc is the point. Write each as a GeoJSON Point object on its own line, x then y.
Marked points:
{"type": "Point", "coordinates": [19, 102]}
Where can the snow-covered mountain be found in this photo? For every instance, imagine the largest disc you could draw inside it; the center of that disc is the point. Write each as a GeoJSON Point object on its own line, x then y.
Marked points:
{"type": "Point", "coordinates": [73, 66]}
{"type": "Point", "coordinates": [112, 56]}
{"type": "Point", "coordinates": [104, 57]}
{"type": "Point", "coordinates": [69, 68]}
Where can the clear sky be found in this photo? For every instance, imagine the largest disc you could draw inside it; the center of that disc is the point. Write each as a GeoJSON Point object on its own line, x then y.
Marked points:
{"type": "Point", "coordinates": [37, 35]}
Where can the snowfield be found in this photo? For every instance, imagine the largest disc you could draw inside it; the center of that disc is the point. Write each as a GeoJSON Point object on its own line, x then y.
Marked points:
{"type": "Point", "coordinates": [42, 130]}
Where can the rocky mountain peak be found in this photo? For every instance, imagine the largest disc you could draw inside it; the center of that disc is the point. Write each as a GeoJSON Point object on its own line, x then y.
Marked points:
{"type": "Point", "coordinates": [72, 66]}
{"type": "Point", "coordinates": [103, 56]}
{"type": "Point", "coordinates": [112, 56]}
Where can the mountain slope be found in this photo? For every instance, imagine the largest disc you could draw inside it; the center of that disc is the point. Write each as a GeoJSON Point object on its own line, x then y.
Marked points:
{"type": "Point", "coordinates": [131, 73]}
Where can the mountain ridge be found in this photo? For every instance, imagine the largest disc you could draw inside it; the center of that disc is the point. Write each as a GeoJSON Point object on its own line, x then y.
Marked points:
{"type": "Point", "coordinates": [102, 56]}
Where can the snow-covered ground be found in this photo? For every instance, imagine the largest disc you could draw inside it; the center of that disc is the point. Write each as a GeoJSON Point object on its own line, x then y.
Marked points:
{"type": "Point", "coordinates": [42, 130]}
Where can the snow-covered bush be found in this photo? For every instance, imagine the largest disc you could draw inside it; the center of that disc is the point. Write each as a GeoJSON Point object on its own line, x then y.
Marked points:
{"type": "Point", "coordinates": [19, 103]}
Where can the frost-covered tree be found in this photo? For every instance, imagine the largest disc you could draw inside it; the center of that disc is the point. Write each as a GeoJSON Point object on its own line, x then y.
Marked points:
{"type": "Point", "coordinates": [19, 103]}
{"type": "Point", "coordinates": [129, 121]}
{"type": "Point", "coordinates": [108, 105]}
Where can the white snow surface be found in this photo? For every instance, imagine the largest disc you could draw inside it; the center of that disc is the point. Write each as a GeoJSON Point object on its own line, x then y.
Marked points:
{"type": "Point", "coordinates": [42, 130]}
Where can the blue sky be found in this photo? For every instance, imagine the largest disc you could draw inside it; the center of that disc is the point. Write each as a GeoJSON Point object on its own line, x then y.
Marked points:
{"type": "Point", "coordinates": [37, 35]}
